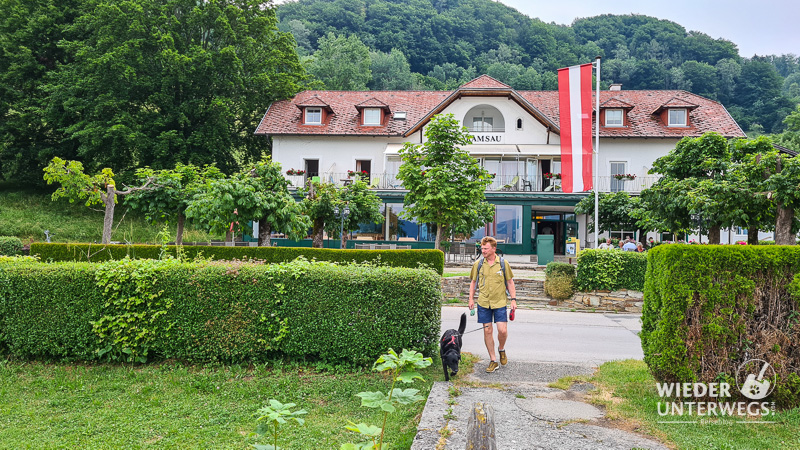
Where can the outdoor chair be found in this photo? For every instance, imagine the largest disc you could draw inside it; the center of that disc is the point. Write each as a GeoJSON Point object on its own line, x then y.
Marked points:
{"type": "Point", "coordinates": [513, 185]}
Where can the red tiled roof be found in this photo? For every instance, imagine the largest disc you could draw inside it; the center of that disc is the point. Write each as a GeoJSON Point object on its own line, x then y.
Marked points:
{"type": "Point", "coordinates": [484, 82]}
{"type": "Point", "coordinates": [372, 103]}
{"type": "Point", "coordinates": [284, 117]}
{"type": "Point", "coordinates": [313, 101]}
{"type": "Point", "coordinates": [676, 102]}
{"type": "Point", "coordinates": [615, 103]}
{"type": "Point", "coordinates": [707, 116]}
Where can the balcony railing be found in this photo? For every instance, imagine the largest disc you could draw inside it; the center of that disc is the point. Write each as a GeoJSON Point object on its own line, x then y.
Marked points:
{"type": "Point", "coordinates": [500, 183]}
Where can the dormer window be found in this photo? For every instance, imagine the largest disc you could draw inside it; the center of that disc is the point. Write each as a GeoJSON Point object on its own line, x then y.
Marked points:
{"type": "Point", "coordinates": [677, 118]}
{"type": "Point", "coordinates": [614, 117]}
{"type": "Point", "coordinates": [313, 116]}
{"type": "Point", "coordinates": [372, 116]}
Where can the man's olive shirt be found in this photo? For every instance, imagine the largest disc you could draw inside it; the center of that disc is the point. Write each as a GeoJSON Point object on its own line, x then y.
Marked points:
{"type": "Point", "coordinates": [492, 285]}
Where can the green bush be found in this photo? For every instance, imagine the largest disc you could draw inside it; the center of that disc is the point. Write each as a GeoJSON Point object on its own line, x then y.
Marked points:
{"type": "Point", "coordinates": [611, 270]}
{"type": "Point", "coordinates": [559, 280]}
{"type": "Point", "coordinates": [559, 286]}
{"type": "Point", "coordinates": [10, 245]}
{"type": "Point", "coordinates": [708, 309]}
{"type": "Point", "coordinates": [559, 268]}
{"type": "Point", "coordinates": [216, 310]}
{"type": "Point", "coordinates": [98, 252]}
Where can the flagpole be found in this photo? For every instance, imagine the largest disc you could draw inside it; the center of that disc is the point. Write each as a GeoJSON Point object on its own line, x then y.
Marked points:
{"type": "Point", "coordinates": [596, 153]}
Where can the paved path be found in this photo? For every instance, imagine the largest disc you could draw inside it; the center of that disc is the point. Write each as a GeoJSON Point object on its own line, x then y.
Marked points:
{"type": "Point", "coordinates": [543, 346]}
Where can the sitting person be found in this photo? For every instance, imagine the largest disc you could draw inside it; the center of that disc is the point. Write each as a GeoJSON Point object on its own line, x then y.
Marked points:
{"type": "Point", "coordinates": [639, 247]}
{"type": "Point", "coordinates": [606, 245]}
{"type": "Point", "coordinates": [629, 246]}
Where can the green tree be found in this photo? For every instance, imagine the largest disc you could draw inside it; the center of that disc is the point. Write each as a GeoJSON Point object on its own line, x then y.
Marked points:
{"type": "Point", "coordinates": [174, 189]}
{"type": "Point", "coordinates": [95, 189]}
{"type": "Point", "coordinates": [156, 82]}
{"type": "Point", "coordinates": [258, 193]}
{"type": "Point", "coordinates": [342, 63]}
{"type": "Point", "coordinates": [446, 186]}
{"type": "Point", "coordinates": [390, 71]}
{"type": "Point", "coordinates": [322, 199]}
{"type": "Point", "coordinates": [671, 201]}
{"type": "Point", "coordinates": [30, 31]}
{"type": "Point", "coordinates": [777, 177]}
{"type": "Point", "coordinates": [615, 211]}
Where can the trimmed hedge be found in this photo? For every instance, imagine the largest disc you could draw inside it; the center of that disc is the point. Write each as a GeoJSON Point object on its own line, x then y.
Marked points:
{"type": "Point", "coordinates": [98, 252]}
{"type": "Point", "coordinates": [559, 268]}
{"type": "Point", "coordinates": [708, 309]}
{"type": "Point", "coordinates": [611, 270]}
{"type": "Point", "coordinates": [216, 311]}
{"type": "Point", "coordinates": [10, 246]}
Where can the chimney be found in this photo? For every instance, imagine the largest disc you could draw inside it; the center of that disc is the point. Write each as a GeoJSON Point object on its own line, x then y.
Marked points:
{"type": "Point", "coordinates": [615, 87]}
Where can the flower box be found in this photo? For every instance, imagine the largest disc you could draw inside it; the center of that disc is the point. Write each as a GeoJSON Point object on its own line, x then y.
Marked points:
{"type": "Point", "coordinates": [556, 176]}
{"type": "Point", "coordinates": [625, 176]}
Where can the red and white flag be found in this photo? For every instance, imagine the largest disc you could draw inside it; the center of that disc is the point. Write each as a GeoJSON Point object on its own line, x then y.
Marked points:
{"type": "Point", "coordinates": [575, 115]}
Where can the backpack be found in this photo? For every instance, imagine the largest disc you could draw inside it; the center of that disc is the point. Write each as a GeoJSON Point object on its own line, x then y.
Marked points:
{"type": "Point", "coordinates": [478, 274]}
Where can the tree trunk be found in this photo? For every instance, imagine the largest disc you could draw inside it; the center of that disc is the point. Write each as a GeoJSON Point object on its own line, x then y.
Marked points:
{"type": "Point", "coordinates": [228, 236]}
{"type": "Point", "coordinates": [783, 226]}
{"type": "Point", "coordinates": [752, 235]}
{"type": "Point", "coordinates": [642, 237]}
{"type": "Point", "coordinates": [179, 231]}
{"type": "Point", "coordinates": [316, 234]}
{"type": "Point", "coordinates": [108, 220]}
{"type": "Point", "coordinates": [438, 243]}
{"type": "Point", "coordinates": [344, 240]}
{"type": "Point", "coordinates": [713, 235]}
{"type": "Point", "coordinates": [264, 233]}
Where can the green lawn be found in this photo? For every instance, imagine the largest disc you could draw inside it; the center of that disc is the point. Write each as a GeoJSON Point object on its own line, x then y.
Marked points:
{"type": "Point", "coordinates": [175, 406]}
{"type": "Point", "coordinates": [27, 214]}
{"type": "Point", "coordinates": [628, 391]}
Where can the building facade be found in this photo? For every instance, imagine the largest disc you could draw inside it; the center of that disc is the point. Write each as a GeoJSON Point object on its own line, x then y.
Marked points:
{"type": "Point", "coordinates": [338, 135]}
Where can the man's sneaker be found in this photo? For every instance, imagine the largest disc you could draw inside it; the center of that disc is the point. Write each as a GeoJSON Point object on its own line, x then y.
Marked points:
{"type": "Point", "coordinates": [492, 367]}
{"type": "Point", "coordinates": [503, 357]}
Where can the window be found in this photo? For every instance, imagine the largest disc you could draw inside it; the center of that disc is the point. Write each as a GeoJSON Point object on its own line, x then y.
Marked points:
{"type": "Point", "coordinates": [677, 118]}
{"type": "Point", "coordinates": [519, 124]}
{"type": "Point", "coordinates": [617, 168]}
{"type": "Point", "coordinates": [614, 118]}
{"type": "Point", "coordinates": [372, 116]}
{"type": "Point", "coordinates": [313, 116]}
{"type": "Point", "coordinates": [741, 231]}
{"type": "Point", "coordinates": [482, 123]}
{"type": "Point", "coordinates": [622, 234]}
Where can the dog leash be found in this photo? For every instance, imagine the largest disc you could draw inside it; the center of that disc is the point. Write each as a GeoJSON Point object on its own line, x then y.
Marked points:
{"type": "Point", "coordinates": [476, 329]}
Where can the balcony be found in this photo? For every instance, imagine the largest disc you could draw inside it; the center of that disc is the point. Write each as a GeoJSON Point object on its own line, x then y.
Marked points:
{"type": "Point", "coordinates": [501, 183]}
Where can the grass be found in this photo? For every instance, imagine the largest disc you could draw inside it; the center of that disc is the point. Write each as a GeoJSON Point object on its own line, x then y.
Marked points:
{"type": "Point", "coordinates": [26, 214]}
{"type": "Point", "coordinates": [455, 274]}
{"type": "Point", "coordinates": [171, 405]}
{"type": "Point", "coordinates": [628, 392]}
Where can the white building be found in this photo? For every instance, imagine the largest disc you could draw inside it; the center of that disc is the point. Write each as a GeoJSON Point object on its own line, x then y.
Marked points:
{"type": "Point", "coordinates": [516, 136]}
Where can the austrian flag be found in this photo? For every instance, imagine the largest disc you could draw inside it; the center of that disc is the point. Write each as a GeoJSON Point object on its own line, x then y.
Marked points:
{"type": "Point", "coordinates": [575, 115]}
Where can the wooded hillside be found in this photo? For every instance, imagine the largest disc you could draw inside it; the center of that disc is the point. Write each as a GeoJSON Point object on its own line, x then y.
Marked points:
{"type": "Point", "coordinates": [439, 44]}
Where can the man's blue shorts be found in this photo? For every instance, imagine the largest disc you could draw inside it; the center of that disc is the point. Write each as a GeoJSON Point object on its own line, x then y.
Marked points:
{"type": "Point", "coordinates": [485, 315]}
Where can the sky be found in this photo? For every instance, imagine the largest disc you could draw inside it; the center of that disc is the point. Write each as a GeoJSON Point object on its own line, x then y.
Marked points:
{"type": "Point", "coordinates": [757, 27]}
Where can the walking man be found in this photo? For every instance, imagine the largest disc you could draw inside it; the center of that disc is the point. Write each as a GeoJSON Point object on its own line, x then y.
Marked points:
{"type": "Point", "coordinates": [491, 276]}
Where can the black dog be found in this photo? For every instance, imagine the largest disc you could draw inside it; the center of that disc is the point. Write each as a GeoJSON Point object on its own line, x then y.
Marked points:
{"type": "Point", "coordinates": [450, 348]}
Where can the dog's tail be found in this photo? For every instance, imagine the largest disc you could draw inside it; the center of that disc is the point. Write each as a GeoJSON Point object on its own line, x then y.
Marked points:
{"type": "Point", "coordinates": [463, 324]}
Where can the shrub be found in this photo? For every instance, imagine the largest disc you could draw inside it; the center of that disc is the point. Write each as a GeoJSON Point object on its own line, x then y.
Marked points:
{"type": "Point", "coordinates": [611, 270]}
{"type": "Point", "coordinates": [708, 309]}
{"type": "Point", "coordinates": [559, 286]}
{"type": "Point", "coordinates": [98, 252]}
{"type": "Point", "coordinates": [559, 268]}
{"type": "Point", "coordinates": [10, 246]}
{"type": "Point", "coordinates": [216, 311]}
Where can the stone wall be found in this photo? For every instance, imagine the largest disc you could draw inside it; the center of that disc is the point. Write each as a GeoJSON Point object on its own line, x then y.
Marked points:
{"type": "Point", "coordinates": [531, 293]}
{"type": "Point", "coordinates": [458, 287]}
{"type": "Point", "coordinates": [621, 301]}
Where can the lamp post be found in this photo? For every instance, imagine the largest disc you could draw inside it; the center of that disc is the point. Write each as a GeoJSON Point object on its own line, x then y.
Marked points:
{"type": "Point", "coordinates": [344, 213]}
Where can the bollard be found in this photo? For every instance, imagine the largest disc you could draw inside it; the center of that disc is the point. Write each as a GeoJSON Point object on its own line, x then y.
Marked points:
{"type": "Point", "coordinates": [480, 428]}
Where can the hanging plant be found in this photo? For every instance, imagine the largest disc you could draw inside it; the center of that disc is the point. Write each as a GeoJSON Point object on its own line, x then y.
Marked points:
{"type": "Point", "coordinates": [625, 176]}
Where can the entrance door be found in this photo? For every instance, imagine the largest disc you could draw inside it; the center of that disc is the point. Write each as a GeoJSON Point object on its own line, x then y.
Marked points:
{"type": "Point", "coordinates": [555, 229]}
